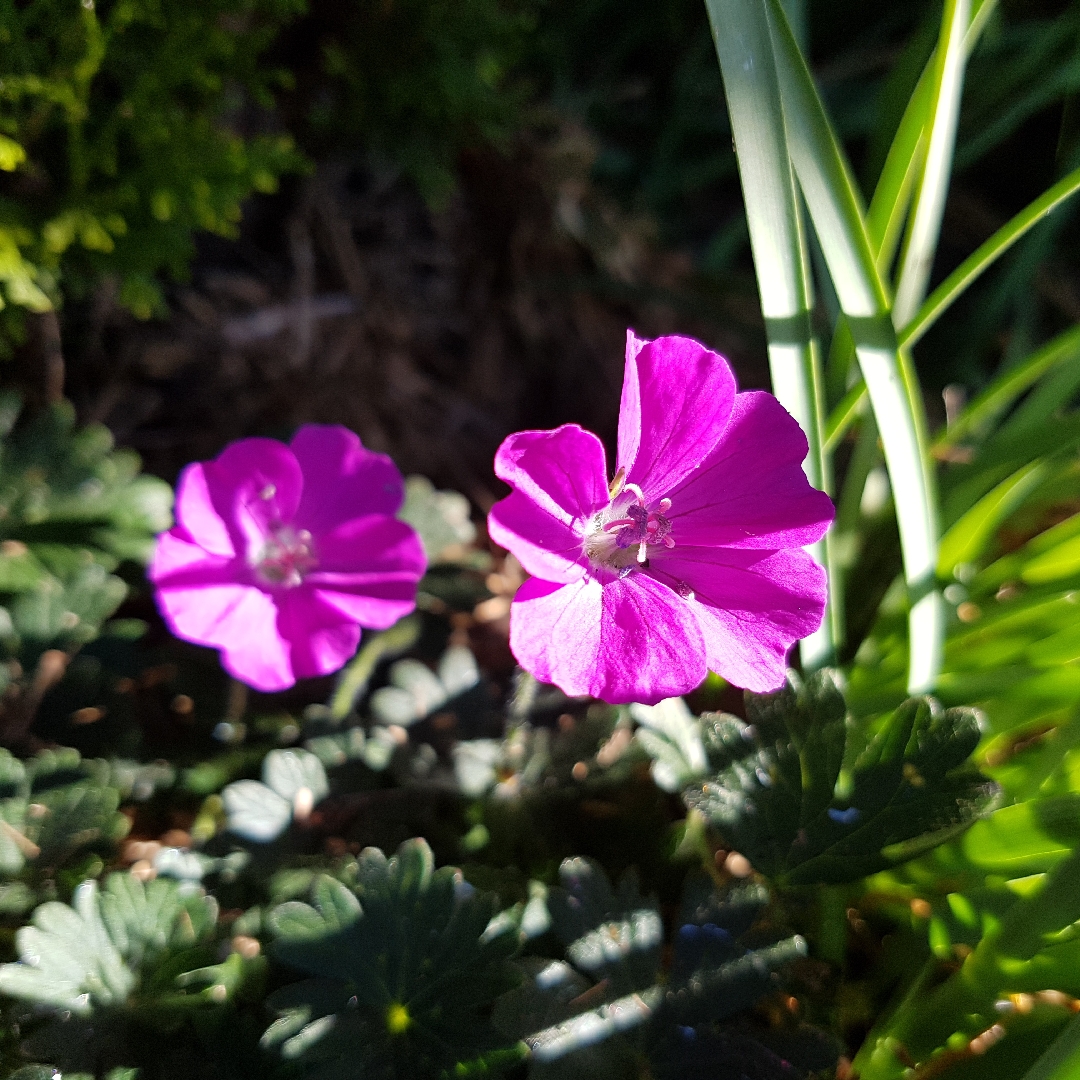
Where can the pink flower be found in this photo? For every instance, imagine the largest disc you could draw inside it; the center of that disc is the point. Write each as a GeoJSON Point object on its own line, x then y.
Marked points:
{"type": "Point", "coordinates": [281, 553]}
{"type": "Point", "coordinates": [689, 560]}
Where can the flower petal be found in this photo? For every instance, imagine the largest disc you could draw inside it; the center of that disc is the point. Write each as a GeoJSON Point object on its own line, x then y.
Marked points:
{"type": "Point", "coordinates": [627, 640]}
{"type": "Point", "coordinates": [752, 606]}
{"type": "Point", "coordinates": [240, 620]}
{"type": "Point", "coordinates": [254, 484]}
{"type": "Point", "coordinates": [751, 492]}
{"type": "Point", "coordinates": [545, 545]}
{"type": "Point", "coordinates": [676, 399]}
{"type": "Point", "coordinates": [342, 479]}
{"type": "Point", "coordinates": [563, 471]}
{"type": "Point", "coordinates": [320, 638]}
{"type": "Point", "coordinates": [374, 544]}
{"type": "Point", "coordinates": [368, 570]}
{"type": "Point", "coordinates": [176, 556]}
{"type": "Point", "coordinates": [196, 515]}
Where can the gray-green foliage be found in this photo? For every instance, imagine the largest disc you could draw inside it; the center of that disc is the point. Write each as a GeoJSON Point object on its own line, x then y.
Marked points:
{"type": "Point", "coordinates": [779, 791]}
{"type": "Point", "coordinates": [403, 974]}
{"type": "Point", "coordinates": [441, 518]}
{"type": "Point", "coordinates": [671, 735]}
{"type": "Point", "coordinates": [415, 691]}
{"type": "Point", "coordinates": [92, 954]}
{"type": "Point", "coordinates": [72, 510]}
{"type": "Point", "coordinates": [293, 782]}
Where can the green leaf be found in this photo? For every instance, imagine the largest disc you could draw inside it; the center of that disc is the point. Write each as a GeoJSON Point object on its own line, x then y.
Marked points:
{"type": "Point", "coordinates": [966, 541]}
{"type": "Point", "coordinates": [777, 794]}
{"type": "Point", "coordinates": [1026, 838]}
{"type": "Point", "coordinates": [255, 811]}
{"type": "Point", "coordinates": [1009, 385]}
{"type": "Point", "coordinates": [335, 907]}
{"type": "Point", "coordinates": [671, 735]}
{"type": "Point", "coordinates": [441, 518]}
{"type": "Point", "coordinates": [404, 975]}
{"type": "Point", "coordinates": [985, 256]}
{"type": "Point", "coordinates": [415, 691]}
{"type": "Point", "coordinates": [68, 960]}
{"type": "Point", "coordinates": [613, 941]}
{"type": "Point", "coordinates": [75, 816]}
{"type": "Point", "coordinates": [610, 937]}
{"type": "Point", "coordinates": [293, 782]}
{"type": "Point", "coordinates": [1061, 1061]}
{"type": "Point", "coordinates": [71, 509]}
{"type": "Point", "coordinates": [288, 771]}
{"type": "Point", "coordinates": [1018, 949]}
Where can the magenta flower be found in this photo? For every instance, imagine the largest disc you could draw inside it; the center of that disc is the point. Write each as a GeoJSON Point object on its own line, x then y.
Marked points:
{"type": "Point", "coordinates": [689, 560]}
{"type": "Point", "coordinates": [281, 553]}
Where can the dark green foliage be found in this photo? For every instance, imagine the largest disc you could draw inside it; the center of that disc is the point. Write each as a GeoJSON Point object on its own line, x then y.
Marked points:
{"type": "Point", "coordinates": [55, 807]}
{"type": "Point", "coordinates": [610, 1008]}
{"type": "Point", "coordinates": [404, 975]}
{"type": "Point", "coordinates": [72, 511]}
{"type": "Point", "coordinates": [780, 794]}
{"type": "Point", "coordinates": [416, 80]}
{"type": "Point", "coordinates": [115, 120]}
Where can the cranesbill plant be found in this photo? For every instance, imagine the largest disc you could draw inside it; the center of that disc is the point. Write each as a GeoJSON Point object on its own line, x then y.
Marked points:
{"type": "Point", "coordinates": [280, 554]}
{"type": "Point", "coordinates": [689, 560]}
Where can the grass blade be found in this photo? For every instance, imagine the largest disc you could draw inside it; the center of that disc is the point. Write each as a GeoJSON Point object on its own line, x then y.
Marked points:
{"type": "Point", "coordinates": [924, 227]}
{"type": "Point", "coordinates": [1061, 1059]}
{"type": "Point", "coordinates": [968, 538]}
{"type": "Point", "coordinates": [985, 256]}
{"type": "Point", "coordinates": [892, 194]}
{"type": "Point", "coordinates": [1006, 388]}
{"type": "Point", "coordinates": [840, 225]}
{"type": "Point", "coordinates": [743, 47]}
{"type": "Point", "coordinates": [935, 305]}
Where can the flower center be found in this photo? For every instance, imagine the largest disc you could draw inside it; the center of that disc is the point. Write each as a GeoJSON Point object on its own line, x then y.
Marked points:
{"type": "Point", "coordinates": [286, 557]}
{"type": "Point", "coordinates": [620, 536]}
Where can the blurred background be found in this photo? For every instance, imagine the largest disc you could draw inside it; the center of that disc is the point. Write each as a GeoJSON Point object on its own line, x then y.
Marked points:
{"type": "Point", "coordinates": [433, 220]}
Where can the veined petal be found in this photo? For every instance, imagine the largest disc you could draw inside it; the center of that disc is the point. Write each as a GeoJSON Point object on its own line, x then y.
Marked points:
{"type": "Point", "coordinates": [254, 484]}
{"type": "Point", "coordinates": [196, 515]}
{"type": "Point", "coordinates": [751, 491]}
{"type": "Point", "coordinates": [342, 479]}
{"type": "Point", "coordinates": [676, 399]}
{"type": "Point", "coordinates": [627, 640]}
{"type": "Point", "coordinates": [563, 471]}
{"type": "Point", "coordinates": [547, 546]}
{"type": "Point", "coordinates": [320, 638]}
{"type": "Point", "coordinates": [752, 606]}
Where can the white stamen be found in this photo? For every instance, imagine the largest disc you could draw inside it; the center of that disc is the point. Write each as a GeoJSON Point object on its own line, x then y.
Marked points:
{"type": "Point", "coordinates": [643, 552]}
{"type": "Point", "coordinates": [636, 492]}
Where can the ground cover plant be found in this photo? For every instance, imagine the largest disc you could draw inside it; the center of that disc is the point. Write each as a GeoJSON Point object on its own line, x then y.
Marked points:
{"type": "Point", "coordinates": [742, 742]}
